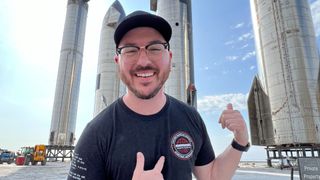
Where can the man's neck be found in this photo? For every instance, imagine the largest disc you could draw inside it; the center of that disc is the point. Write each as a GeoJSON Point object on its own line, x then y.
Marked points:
{"type": "Point", "coordinates": [145, 106]}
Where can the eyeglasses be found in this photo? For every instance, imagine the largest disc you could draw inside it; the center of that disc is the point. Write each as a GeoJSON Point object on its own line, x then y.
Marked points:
{"type": "Point", "coordinates": [153, 50]}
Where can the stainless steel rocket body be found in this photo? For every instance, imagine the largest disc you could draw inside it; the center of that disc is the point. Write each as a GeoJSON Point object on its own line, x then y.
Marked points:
{"type": "Point", "coordinates": [288, 63]}
{"type": "Point", "coordinates": [178, 14]}
{"type": "Point", "coordinates": [109, 87]}
{"type": "Point", "coordinates": [65, 106]}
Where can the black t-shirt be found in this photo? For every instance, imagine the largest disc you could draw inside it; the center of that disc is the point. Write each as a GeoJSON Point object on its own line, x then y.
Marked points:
{"type": "Point", "coordinates": [108, 146]}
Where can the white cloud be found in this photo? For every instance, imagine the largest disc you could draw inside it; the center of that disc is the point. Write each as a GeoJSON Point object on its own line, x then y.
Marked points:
{"type": "Point", "coordinates": [229, 43]}
{"type": "Point", "coordinates": [218, 103]}
{"type": "Point", "coordinates": [244, 46]}
{"type": "Point", "coordinates": [315, 11]}
{"type": "Point", "coordinates": [238, 25]}
{"type": "Point", "coordinates": [246, 36]}
{"type": "Point", "coordinates": [245, 57]}
{"type": "Point", "coordinates": [231, 58]}
{"type": "Point", "coordinates": [248, 55]}
{"type": "Point", "coordinates": [252, 67]}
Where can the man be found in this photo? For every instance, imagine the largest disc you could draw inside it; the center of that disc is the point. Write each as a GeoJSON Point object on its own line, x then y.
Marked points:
{"type": "Point", "coordinates": [147, 134]}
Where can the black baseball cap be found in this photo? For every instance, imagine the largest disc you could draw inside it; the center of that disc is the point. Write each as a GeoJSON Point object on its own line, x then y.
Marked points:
{"type": "Point", "coordinates": [142, 19]}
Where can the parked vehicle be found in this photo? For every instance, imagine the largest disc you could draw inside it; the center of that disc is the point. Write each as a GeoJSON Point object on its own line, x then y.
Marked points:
{"type": "Point", "coordinates": [32, 155]}
{"type": "Point", "coordinates": [7, 156]}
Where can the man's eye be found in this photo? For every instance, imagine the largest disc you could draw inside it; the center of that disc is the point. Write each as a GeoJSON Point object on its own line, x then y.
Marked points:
{"type": "Point", "coordinates": [130, 50]}
{"type": "Point", "coordinates": [154, 49]}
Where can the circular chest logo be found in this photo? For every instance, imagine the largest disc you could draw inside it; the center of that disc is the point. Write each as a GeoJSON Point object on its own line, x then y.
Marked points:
{"type": "Point", "coordinates": [182, 145]}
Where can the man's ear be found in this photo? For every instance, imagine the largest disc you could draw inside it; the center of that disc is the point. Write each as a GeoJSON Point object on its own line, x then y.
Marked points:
{"type": "Point", "coordinates": [170, 59]}
{"type": "Point", "coordinates": [170, 55]}
{"type": "Point", "coordinates": [116, 59]}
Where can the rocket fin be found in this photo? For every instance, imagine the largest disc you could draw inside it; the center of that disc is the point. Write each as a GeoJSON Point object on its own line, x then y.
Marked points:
{"type": "Point", "coordinates": [153, 5]}
{"type": "Point", "coordinates": [261, 126]}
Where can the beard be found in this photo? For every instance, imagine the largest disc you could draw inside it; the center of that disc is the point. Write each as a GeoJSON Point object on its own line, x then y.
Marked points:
{"type": "Point", "coordinates": [161, 79]}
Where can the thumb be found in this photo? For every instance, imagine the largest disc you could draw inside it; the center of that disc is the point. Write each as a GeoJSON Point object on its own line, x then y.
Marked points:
{"type": "Point", "coordinates": [140, 163]}
{"type": "Point", "coordinates": [158, 167]}
{"type": "Point", "coordinates": [229, 106]}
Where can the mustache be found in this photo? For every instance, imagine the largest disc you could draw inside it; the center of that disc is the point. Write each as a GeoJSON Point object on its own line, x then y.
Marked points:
{"type": "Point", "coordinates": [143, 68]}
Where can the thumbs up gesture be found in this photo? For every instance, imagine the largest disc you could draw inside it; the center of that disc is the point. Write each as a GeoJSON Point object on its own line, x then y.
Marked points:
{"type": "Point", "coordinates": [233, 120]}
{"type": "Point", "coordinates": [154, 174]}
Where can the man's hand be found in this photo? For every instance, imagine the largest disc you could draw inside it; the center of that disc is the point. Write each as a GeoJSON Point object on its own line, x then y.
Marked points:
{"type": "Point", "coordinates": [154, 174]}
{"type": "Point", "coordinates": [233, 120]}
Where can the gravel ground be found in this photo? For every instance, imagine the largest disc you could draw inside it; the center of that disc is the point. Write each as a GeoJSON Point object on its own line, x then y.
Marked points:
{"type": "Point", "coordinates": [59, 171]}
{"type": "Point", "coordinates": [51, 171]}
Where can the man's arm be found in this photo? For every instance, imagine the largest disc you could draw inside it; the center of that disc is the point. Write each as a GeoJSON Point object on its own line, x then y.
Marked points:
{"type": "Point", "coordinates": [222, 168]}
{"type": "Point", "coordinates": [225, 165]}
{"type": "Point", "coordinates": [88, 160]}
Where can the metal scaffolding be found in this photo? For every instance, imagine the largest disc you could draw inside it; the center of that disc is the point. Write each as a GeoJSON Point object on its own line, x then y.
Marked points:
{"type": "Point", "coordinates": [292, 152]}
{"type": "Point", "coordinates": [55, 152]}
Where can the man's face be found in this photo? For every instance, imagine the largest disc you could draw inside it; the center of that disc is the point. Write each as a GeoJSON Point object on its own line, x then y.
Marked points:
{"type": "Point", "coordinates": [144, 74]}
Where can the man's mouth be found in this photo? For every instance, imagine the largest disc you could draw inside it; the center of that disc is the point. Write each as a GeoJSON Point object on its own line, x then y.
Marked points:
{"type": "Point", "coordinates": [145, 75]}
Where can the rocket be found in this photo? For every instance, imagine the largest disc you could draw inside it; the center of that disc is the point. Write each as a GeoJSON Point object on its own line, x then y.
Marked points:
{"type": "Point", "coordinates": [109, 87]}
{"type": "Point", "coordinates": [62, 131]}
{"type": "Point", "coordinates": [180, 83]}
{"type": "Point", "coordinates": [284, 99]}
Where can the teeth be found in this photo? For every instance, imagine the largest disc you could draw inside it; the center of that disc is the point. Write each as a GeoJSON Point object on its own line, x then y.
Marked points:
{"type": "Point", "coordinates": [144, 75]}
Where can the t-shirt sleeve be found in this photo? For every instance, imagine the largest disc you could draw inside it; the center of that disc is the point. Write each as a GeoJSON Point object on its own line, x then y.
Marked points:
{"type": "Point", "coordinates": [88, 162]}
{"type": "Point", "coordinates": [206, 153]}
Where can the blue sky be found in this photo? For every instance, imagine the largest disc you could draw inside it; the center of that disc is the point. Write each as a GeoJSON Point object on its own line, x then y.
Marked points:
{"type": "Point", "coordinates": [30, 42]}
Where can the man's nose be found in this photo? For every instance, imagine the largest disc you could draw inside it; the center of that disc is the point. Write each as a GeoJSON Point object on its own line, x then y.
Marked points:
{"type": "Point", "coordinates": [143, 58]}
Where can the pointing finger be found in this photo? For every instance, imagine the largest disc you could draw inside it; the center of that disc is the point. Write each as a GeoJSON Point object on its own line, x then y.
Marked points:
{"type": "Point", "coordinates": [220, 119]}
{"type": "Point", "coordinates": [222, 116]}
{"type": "Point", "coordinates": [140, 163]}
{"type": "Point", "coordinates": [159, 164]}
{"type": "Point", "coordinates": [229, 106]}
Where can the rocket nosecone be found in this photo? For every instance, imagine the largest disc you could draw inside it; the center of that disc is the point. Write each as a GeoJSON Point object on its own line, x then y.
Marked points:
{"type": "Point", "coordinates": [109, 87]}
{"type": "Point", "coordinates": [284, 99]}
{"type": "Point", "coordinates": [180, 83]}
{"type": "Point", "coordinates": [63, 123]}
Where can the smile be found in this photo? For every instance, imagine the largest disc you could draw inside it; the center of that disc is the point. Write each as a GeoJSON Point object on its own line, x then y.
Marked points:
{"type": "Point", "coordinates": [145, 75]}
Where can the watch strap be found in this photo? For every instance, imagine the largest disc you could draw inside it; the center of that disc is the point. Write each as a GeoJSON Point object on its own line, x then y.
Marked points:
{"type": "Point", "coordinates": [240, 147]}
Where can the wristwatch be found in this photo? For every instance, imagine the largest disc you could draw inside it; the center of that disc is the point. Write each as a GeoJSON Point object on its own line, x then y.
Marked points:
{"type": "Point", "coordinates": [239, 147]}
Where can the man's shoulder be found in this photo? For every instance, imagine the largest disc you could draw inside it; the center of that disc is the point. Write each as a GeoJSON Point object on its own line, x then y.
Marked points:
{"type": "Point", "coordinates": [182, 109]}
{"type": "Point", "coordinates": [178, 104]}
{"type": "Point", "coordinates": [105, 117]}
